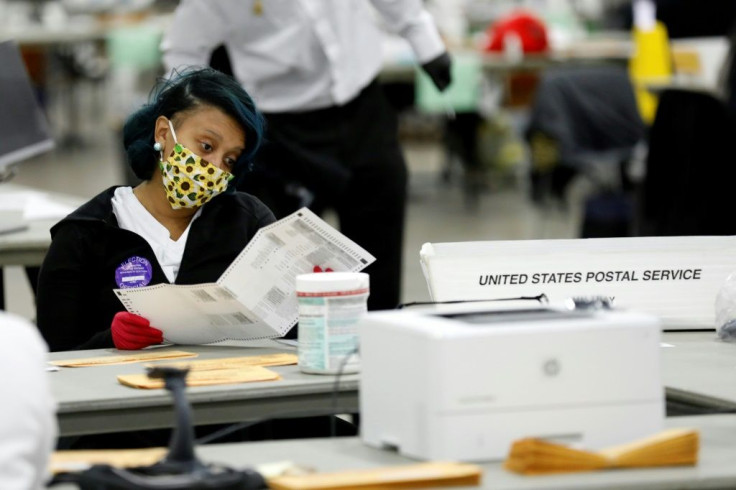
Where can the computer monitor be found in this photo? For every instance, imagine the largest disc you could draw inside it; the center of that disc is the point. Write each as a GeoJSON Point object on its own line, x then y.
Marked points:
{"type": "Point", "coordinates": [24, 131]}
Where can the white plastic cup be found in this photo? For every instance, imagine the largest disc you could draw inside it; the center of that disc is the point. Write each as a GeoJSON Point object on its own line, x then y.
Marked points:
{"type": "Point", "coordinates": [330, 306]}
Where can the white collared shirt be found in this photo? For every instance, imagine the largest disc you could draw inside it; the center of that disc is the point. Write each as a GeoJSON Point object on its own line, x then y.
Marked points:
{"type": "Point", "coordinates": [296, 55]}
{"type": "Point", "coordinates": [132, 216]}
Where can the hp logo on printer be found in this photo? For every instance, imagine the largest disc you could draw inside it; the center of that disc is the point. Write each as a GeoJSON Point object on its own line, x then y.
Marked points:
{"type": "Point", "coordinates": [551, 367]}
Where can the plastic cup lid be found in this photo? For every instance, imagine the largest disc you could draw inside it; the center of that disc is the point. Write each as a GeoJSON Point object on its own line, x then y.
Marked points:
{"type": "Point", "coordinates": [332, 281]}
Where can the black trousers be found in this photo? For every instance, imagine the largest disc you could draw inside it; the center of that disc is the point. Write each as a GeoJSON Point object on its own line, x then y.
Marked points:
{"type": "Point", "coordinates": [348, 159]}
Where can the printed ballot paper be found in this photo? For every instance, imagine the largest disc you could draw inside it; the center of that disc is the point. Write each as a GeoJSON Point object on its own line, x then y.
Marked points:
{"type": "Point", "coordinates": [255, 297]}
{"type": "Point", "coordinates": [675, 278]}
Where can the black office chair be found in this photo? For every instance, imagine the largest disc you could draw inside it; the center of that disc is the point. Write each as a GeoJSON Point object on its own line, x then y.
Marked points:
{"type": "Point", "coordinates": [690, 170]}
{"type": "Point", "coordinates": [585, 121]}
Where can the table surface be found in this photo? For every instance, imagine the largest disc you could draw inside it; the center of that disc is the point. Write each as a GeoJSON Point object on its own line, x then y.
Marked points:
{"type": "Point", "coordinates": [78, 28]}
{"type": "Point", "coordinates": [593, 51]}
{"type": "Point", "coordinates": [695, 365]}
{"type": "Point", "coordinates": [40, 35]}
{"type": "Point", "coordinates": [90, 400]}
{"type": "Point", "coordinates": [715, 468]}
{"type": "Point", "coordinates": [29, 246]}
{"type": "Point", "coordinates": [699, 369]}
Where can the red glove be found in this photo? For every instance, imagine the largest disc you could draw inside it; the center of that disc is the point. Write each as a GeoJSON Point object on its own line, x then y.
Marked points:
{"type": "Point", "coordinates": [133, 332]}
{"type": "Point", "coordinates": [317, 268]}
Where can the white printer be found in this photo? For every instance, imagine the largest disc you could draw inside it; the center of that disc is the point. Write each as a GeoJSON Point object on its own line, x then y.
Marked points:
{"type": "Point", "coordinates": [464, 383]}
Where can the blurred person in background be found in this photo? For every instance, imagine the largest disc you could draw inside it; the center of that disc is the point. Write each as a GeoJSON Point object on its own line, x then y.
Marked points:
{"type": "Point", "coordinates": [28, 423]}
{"type": "Point", "coordinates": [331, 140]}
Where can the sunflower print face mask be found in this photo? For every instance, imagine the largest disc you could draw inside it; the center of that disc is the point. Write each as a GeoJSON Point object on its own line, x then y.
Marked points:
{"type": "Point", "coordinates": [189, 180]}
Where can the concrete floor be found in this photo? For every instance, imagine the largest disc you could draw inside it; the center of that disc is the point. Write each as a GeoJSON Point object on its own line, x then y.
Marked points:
{"type": "Point", "coordinates": [438, 210]}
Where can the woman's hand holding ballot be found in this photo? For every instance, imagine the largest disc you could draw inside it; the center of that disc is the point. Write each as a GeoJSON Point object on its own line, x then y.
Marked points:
{"type": "Point", "coordinates": [133, 332]}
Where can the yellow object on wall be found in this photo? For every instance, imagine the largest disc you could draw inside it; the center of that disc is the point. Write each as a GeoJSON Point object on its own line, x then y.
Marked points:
{"type": "Point", "coordinates": [650, 64]}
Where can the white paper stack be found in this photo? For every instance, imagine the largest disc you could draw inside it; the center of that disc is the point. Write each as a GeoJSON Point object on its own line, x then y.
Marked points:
{"type": "Point", "coordinates": [255, 297]}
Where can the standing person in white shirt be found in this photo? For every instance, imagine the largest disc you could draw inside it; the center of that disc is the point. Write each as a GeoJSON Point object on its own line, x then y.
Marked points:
{"type": "Point", "coordinates": [312, 66]}
{"type": "Point", "coordinates": [27, 419]}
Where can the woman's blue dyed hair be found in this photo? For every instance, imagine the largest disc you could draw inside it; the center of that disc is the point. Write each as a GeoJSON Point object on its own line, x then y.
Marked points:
{"type": "Point", "coordinates": [182, 92]}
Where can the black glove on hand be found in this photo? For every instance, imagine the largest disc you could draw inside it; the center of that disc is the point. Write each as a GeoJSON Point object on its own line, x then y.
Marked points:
{"type": "Point", "coordinates": [438, 70]}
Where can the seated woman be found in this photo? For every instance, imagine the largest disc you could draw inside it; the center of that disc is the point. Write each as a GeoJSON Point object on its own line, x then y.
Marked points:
{"type": "Point", "coordinates": [183, 224]}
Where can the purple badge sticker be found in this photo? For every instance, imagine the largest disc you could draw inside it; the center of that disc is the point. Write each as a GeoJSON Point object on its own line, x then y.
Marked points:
{"type": "Point", "coordinates": [134, 273]}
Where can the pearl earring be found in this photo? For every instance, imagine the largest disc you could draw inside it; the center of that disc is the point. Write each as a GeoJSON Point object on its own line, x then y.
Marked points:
{"type": "Point", "coordinates": [157, 146]}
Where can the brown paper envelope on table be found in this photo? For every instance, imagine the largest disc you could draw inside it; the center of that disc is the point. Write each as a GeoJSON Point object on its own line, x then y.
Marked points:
{"type": "Point", "coordinates": [405, 476]}
{"type": "Point", "coordinates": [536, 456]}
{"type": "Point", "coordinates": [62, 461]}
{"type": "Point", "coordinates": [245, 374]}
{"type": "Point", "coordinates": [672, 447]}
{"type": "Point", "coordinates": [282, 359]}
{"type": "Point", "coordinates": [155, 355]}
{"type": "Point", "coordinates": [667, 448]}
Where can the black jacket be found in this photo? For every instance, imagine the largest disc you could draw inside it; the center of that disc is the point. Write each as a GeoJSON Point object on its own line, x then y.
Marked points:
{"type": "Point", "coordinates": [75, 302]}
